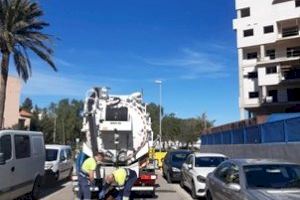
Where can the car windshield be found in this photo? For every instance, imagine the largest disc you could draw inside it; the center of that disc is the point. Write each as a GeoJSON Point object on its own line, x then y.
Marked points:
{"type": "Point", "coordinates": [179, 157]}
{"type": "Point", "coordinates": [272, 176]}
{"type": "Point", "coordinates": [51, 154]}
{"type": "Point", "coordinates": [208, 161]}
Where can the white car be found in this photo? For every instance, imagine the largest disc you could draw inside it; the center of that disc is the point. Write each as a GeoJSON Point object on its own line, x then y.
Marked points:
{"type": "Point", "coordinates": [59, 162]}
{"type": "Point", "coordinates": [22, 158]}
{"type": "Point", "coordinates": [195, 170]}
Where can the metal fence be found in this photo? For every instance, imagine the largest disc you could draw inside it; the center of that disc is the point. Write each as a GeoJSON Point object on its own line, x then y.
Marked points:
{"type": "Point", "coordinates": [274, 132]}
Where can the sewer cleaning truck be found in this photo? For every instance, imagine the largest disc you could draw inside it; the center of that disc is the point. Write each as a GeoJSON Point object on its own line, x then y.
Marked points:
{"type": "Point", "coordinates": [120, 127]}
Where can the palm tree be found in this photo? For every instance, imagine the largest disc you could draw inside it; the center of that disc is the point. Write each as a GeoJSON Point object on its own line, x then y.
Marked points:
{"type": "Point", "coordinates": [20, 32]}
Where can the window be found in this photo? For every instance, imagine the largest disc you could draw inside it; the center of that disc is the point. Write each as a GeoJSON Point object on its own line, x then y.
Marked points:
{"type": "Point", "coordinates": [233, 175]}
{"type": "Point", "coordinates": [268, 29]}
{"type": "Point", "coordinates": [297, 3]}
{"type": "Point", "coordinates": [293, 73]}
{"type": "Point", "coordinates": [21, 124]}
{"type": "Point", "coordinates": [189, 160]}
{"type": "Point", "coordinates": [293, 52]}
{"type": "Point", "coordinates": [22, 146]}
{"type": "Point", "coordinates": [69, 154]}
{"type": "Point", "coordinates": [179, 157]}
{"type": "Point", "coordinates": [51, 154]}
{"type": "Point", "coordinates": [62, 156]}
{"type": "Point", "coordinates": [290, 31]}
{"type": "Point", "coordinates": [228, 173]}
{"type": "Point", "coordinates": [271, 53]}
{"type": "Point", "coordinates": [221, 171]}
{"type": "Point", "coordinates": [253, 95]}
{"type": "Point", "coordinates": [293, 94]}
{"type": "Point", "coordinates": [272, 176]}
{"type": "Point", "coordinates": [248, 33]}
{"type": "Point", "coordinates": [252, 75]}
{"type": "Point", "coordinates": [5, 146]}
{"type": "Point", "coordinates": [252, 55]}
{"type": "Point", "coordinates": [271, 70]}
{"type": "Point", "coordinates": [274, 95]}
{"type": "Point", "coordinates": [245, 12]}
{"type": "Point", "coordinates": [208, 161]}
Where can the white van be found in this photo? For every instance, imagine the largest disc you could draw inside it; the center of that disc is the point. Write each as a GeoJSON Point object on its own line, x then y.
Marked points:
{"type": "Point", "coordinates": [22, 158]}
{"type": "Point", "coordinates": [59, 162]}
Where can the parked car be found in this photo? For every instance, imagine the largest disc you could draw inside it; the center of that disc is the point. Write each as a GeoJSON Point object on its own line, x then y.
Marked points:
{"type": "Point", "coordinates": [172, 164]}
{"type": "Point", "coordinates": [195, 170]}
{"type": "Point", "coordinates": [59, 162]}
{"type": "Point", "coordinates": [22, 158]}
{"type": "Point", "coordinates": [254, 180]}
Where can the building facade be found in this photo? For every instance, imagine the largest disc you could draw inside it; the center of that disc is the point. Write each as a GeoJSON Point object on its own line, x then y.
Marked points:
{"type": "Point", "coordinates": [268, 42]}
{"type": "Point", "coordinates": [14, 117]}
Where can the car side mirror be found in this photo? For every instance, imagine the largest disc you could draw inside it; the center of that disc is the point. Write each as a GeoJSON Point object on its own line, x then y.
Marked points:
{"type": "Point", "coordinates": [190, 166]}
{"type": "Point", "coordinates": [2, 159]}
{"type": "Point", "coordinates": [234, 187]}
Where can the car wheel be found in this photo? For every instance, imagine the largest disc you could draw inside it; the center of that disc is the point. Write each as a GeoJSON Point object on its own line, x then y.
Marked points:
{"type": "Point", "coordinates": [35, 193]}
{"type": "Point", "coordinates": [169, 180]}
{"type": "Point", "coordinates": [181, 182]}
{"type": "Point", "coordinates": [56, 176]}
{"type": "Point", "coordinates": [208, 195]}
{"type": "Point", "coordinates": [70, 173]}
{"type": "Point", "coordinates": [194, 195]}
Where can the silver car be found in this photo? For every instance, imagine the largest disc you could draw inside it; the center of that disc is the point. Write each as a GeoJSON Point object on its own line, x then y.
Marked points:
{"type": "Point", "coordinates": [253, 179]}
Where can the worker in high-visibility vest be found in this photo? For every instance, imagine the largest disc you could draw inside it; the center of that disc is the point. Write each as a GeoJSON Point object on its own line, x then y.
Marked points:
{"type": "Point", "coordinates": [86, 175]}
{"type": "Point", "coordinates": [123, 179]}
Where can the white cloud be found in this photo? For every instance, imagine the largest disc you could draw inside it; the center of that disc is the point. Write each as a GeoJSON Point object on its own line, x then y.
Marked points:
{"type": "Point", "coordinates": [193, 64]}
{"type": "Point", "coordinates": [53, 84]}
{"type": "Point", "coordinates": [49, 83]}
{"type": "Point", "coordinates": [62, 62]}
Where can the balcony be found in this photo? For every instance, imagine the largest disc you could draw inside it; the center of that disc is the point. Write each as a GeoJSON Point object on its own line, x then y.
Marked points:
{"type": "Point", "coordinates": [288, 29]}
{"type": "Point", "coordinates": [290, 55]}
{"type": "Point", "coordinates": [290, 74]}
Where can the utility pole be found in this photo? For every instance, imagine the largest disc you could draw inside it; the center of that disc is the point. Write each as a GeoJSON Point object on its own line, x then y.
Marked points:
{"type": "Point", "coordinates": [159, 82]}
{"type": "Point", "coordinates": [63, 131]}
{"type": "Point", "coordinates": [204, 120]}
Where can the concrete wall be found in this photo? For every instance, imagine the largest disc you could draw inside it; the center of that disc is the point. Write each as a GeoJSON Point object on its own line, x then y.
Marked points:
{"type": "Point", "coordinates": [289, 152]}
{"type": "Point", "coordinates": [12, 103]}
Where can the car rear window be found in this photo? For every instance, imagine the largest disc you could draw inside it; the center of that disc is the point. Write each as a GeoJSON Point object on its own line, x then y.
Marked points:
{"type": "Point", "coordinates": [272, 176]}
{"type": "Point", "coordinates": [179, 157]}
{"type": "Point", "coordinates": [208, 161]}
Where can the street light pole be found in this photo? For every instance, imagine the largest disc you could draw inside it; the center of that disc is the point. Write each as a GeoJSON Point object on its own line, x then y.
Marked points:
{"type": "Point", "coordinates": [159, 82]}
{"type": "Point", "coordinates": [54, 129]}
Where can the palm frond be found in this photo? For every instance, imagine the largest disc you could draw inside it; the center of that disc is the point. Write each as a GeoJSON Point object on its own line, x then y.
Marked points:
{"type": "Point", "coordinates": [21, 64]}
{"type": "Point", "coordinates": [43, 55]}
{"type": "Point", "coordinates": [21, 31]}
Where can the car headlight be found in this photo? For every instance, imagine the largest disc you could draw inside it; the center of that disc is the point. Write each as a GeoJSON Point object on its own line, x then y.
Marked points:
{"type": "Point", "coordinates": [201, 179]}
{"type": "Point", "coordinates": [175, 169]}
{"type": "Point", "coordinates": [48, 167]}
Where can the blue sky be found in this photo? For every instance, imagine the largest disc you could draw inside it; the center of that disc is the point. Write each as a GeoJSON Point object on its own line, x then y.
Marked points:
{"type": "Point", "coordinates": [126, 45]}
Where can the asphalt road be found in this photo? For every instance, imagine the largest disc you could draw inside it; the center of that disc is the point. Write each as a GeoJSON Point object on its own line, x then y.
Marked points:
{"type": "Point", "coordinates": [63, 190]}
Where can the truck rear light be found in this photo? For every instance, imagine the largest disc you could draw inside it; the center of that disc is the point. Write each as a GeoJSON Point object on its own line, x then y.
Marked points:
{"type": "Point", "coordinates": [153, 177]}
{"type": "Point", "coordinates": [74, 178]}
{"type": "Point", "coordinates": [148, 177]}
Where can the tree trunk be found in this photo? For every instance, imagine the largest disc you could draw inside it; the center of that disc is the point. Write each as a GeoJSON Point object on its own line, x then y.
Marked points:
{"type": "Point", "coordinates": [3, 84]}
